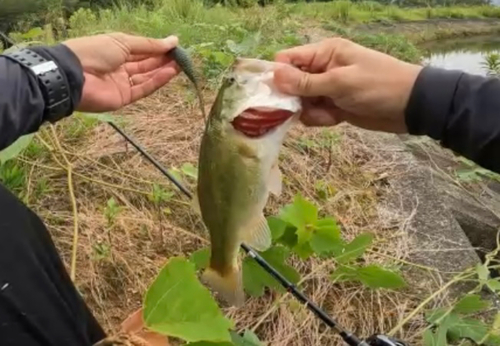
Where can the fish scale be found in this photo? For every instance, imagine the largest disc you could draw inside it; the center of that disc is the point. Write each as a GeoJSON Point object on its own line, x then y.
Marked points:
{"type": "Point", "coordinates": [181, 57]}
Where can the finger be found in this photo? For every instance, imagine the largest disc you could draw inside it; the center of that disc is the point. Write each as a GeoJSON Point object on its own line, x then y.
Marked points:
{"type": "Point", "coordinates": [319, 117]}
{"type": "Point", "coordinates": [138, 57]}
{"type": "Point", "coordinates": [376, 123]}
{"type": "Point", "coordinates": [134, 45]}
{"type": "Point", "coordinates": [297, 56]}
{"type": "Point", "coordinates": [146, 65]}
{"type": "Point", "coordinates": [293, 81]}
{"type": "Point", "coordinates": [314, 57]}
{"type": "Point", "coordinates": [154, 82]}
{"type": "Point", "coordinates": [138, 79]}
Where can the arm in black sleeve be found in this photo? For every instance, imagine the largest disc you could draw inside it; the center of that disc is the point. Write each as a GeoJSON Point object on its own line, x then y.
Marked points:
{"type": "Point", "coordinates": [22, 105]}
{"type": "Point", "coordinates": [460, 110]}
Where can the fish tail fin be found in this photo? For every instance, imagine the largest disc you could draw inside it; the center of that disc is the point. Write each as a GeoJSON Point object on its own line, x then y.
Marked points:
{"type": "Point", "coordinates": [229, 286]}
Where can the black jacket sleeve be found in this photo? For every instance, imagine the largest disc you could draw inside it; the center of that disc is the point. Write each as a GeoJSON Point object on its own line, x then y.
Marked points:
{"type": "Point", "coordinates": [460, 110]}
{"type": "Point", "coordinates": [22, 106]}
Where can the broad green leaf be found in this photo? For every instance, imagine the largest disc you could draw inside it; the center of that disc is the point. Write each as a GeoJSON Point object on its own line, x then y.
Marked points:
{"type": "Point", "coordinates": [468, 328]}
{"type": "Point", "coordinates": [326, 237]}
{"type": "Point", "coordinates": [356, 248]}
{"type": "Point", "coordinates": [303, 215]}
{"type": "Point", "coordinates": [376, 277]}
{"type": "Point", "coordinates": [248, 339]}
{"type": "Point", "coordinates": [104, 117]}
{"type": "Point", "coordinates": [445, 321]}
{"type": "Point", "coordinates": [470, 304]}
{"type": "Point", "coordinates": [493, 284]}
{"type": "Point", "coordinates": [277, 227]}
{"type": "Point", "coordinates": [304, 234]}
{"type": "Point", "coordinates": [13, 150]}
{"type": "Point", "coordinates": [256, 279]}
{"type": "Point", "coordinates": [304, 251]}
{"type": "Point", "coordinates": [429, 338]}
{"type": "Point", "coordinates": [435, 339]}
{"type": "Point", "coordinates": [178, 305]}
{"type": "Point", "coordinates": [493, 340]}
{"type": "Point", "coordinates": [289, 237]}
{"type": "Point", "coordinates": [201, 258]}
{"type": "Point", "coordinates": [496, 322]}
{"type": "Point", "coordinates": [208, 343]}
{"type": "Point", "coordinates": [482, 272]}
{"type": "Point", "coordinates": [344, 273]}
{"type": "Point", "coordinates": [441, 339]}
{"type": "Point", "coordinates": [435, 315]}
{"type": "Point", "coordinates": [190, 170]}
{"type": "Point", "coordinates": [250, 336]}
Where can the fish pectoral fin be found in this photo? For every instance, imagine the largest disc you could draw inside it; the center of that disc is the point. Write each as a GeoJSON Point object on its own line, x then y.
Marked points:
{"type": "Point", "coordinates": [195, 204]}
{"type": "Point", "coordinates": [229, 286]}
{"type": "Point", "coordinates": [275, 181]}
{"type": "Point", "coordinates": [258, 235]}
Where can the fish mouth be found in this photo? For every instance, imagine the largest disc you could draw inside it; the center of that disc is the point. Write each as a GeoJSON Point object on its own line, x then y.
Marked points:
{"type": "Point", "coordinates": [257, 121]}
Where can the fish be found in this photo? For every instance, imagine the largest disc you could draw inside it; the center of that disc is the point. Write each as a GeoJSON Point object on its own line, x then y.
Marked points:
{"type": "Point", "coordinates": [238, 168]}
{"type": "Point", "coordinates": [183, 60]}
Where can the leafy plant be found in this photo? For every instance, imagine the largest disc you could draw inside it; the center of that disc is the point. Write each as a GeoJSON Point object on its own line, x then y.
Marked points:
{"type": "Point", "coordinates": [16, 148]}
{"type": "Point", "coordinates": [160, 194]}
{"type": "Point", "coordinates": [474, 173]}
{"type": "Point", "coordinates": [169, 307]}
{"type": "Point", "coordinates": [298, 229]}
{"type": "Point", "coordinates": [111, 211]}
{"type": "Point", "coordinates": [491, 63]}
{"type": "Point", "coordinates": [187, 170]}
{"type": "Point", "coordinates": [462, 320]}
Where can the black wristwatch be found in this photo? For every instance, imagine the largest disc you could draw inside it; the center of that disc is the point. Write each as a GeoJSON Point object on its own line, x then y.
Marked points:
{"type": "Point", "coordinates": [52, 83]}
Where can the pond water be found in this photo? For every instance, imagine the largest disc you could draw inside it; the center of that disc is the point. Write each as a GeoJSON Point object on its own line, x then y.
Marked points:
{"type": "Point", "coordinates": [466, 54]}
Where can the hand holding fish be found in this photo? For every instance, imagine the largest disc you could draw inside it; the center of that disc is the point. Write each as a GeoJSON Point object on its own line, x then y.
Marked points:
{"type": "Point", "coordinates": [339, 80]}
{"type": "Point", "coordinates": [120, 69]}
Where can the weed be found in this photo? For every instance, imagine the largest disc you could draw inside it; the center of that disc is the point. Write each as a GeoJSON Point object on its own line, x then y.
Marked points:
{"type": "Point", "coordinates": [342, 10]}
{"type": "Point", "coordinates": [111, 211]}
{"type": "Point", "coordinates": [13, 176]}
{"type": "Point", "coordinates": [491, 63]}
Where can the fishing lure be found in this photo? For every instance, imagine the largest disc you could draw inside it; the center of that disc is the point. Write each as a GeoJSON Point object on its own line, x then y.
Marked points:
{"type": "Point", "coordinates": [181, 57]}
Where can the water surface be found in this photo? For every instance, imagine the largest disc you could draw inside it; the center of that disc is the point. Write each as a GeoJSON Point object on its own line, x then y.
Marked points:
{"type": "Point", "coordinates": [466, 54]}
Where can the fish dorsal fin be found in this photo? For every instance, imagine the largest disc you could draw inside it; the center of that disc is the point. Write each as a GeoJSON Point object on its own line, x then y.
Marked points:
{"type": "Point", "coordinates": [258, 234]}
{"type": "Point", "coordinates": [275, 181]}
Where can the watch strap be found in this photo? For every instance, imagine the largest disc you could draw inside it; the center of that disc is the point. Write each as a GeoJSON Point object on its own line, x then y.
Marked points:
{"type": "Point", "coordinates": [52, 83]}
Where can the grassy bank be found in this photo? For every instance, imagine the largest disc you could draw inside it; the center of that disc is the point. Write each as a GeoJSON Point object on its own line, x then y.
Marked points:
{"type": "Point", "coordinates": [130, 219]}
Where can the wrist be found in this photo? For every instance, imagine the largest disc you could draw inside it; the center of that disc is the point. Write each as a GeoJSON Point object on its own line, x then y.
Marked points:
{"type": "Point", "coordinates": [430, 101]}
{"type": "Point", "coordinates": [71, 71]}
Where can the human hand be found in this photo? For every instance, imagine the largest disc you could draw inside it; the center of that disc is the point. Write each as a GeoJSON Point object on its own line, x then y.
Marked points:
{"type": "Point", "coordinates": [120, 69]}
{"type": "Point", "coordinates": [340, 80]}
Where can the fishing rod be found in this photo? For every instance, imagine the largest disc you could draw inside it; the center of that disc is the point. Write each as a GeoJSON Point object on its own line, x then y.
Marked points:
{"type": "Point", "coordinates": [349, 338]}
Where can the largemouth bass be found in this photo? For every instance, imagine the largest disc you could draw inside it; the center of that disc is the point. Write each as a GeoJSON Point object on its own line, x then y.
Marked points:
{"type": "Point", "coordinates": [238, 168]}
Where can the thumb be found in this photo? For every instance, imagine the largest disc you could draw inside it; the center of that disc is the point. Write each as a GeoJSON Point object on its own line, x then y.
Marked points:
{"type": "Point", "coordinates": [293, 81]}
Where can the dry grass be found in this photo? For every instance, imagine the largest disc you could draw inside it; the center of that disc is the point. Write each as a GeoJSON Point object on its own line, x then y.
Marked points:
{"type": "Point", "coordinates": [145, 235]}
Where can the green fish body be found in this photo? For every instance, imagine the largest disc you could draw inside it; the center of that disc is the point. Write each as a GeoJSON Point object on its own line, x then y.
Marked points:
{"type": "Point", "coordinates": [238, 168]}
